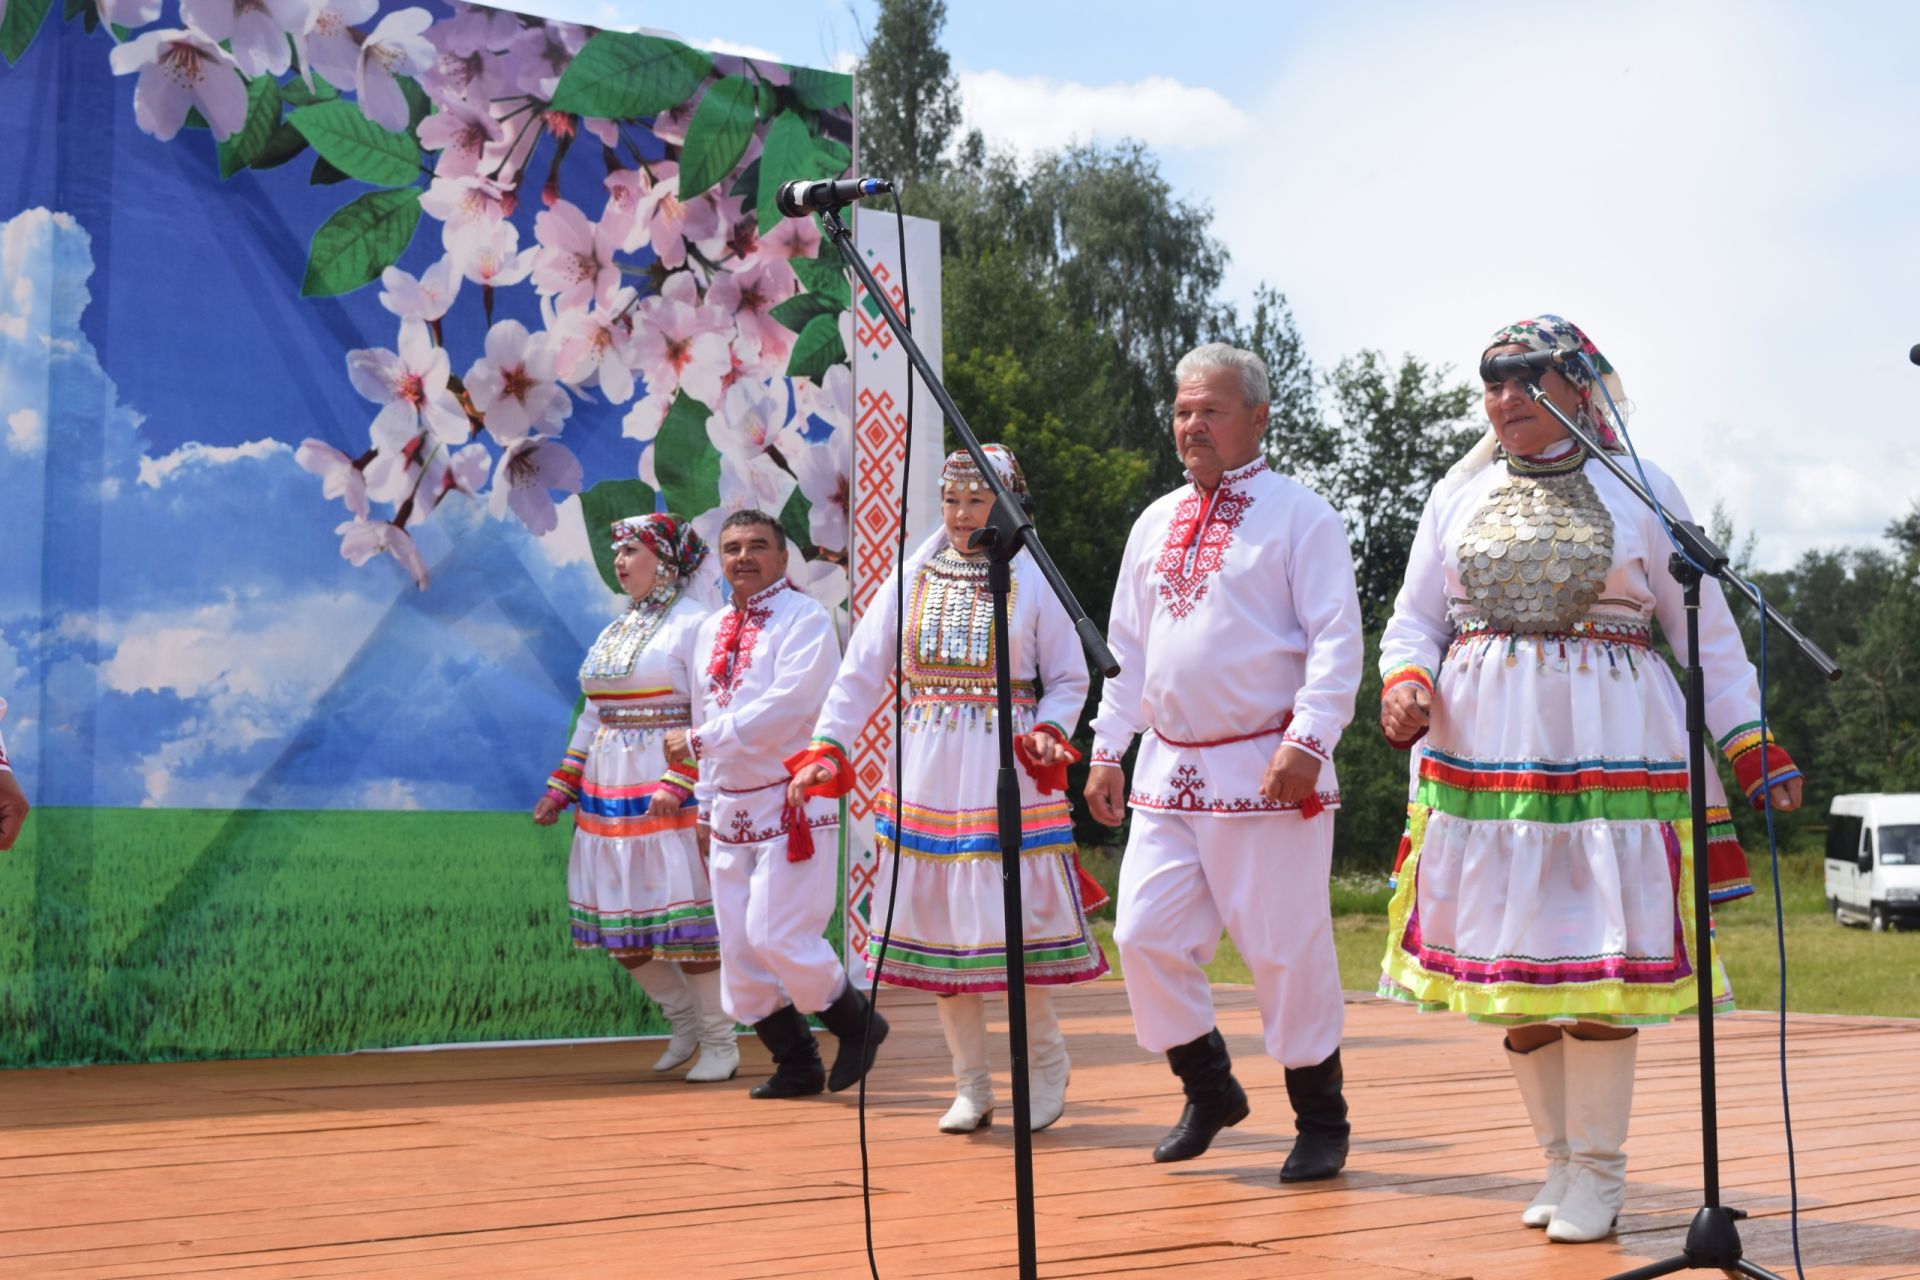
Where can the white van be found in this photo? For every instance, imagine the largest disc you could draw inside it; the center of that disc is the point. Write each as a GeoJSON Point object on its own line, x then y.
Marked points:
{"type": "Point", "coordinates": [1873, 860]}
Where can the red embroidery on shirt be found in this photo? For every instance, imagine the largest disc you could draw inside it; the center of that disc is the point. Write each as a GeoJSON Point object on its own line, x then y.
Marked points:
{"type": "Point", "coordinates": [733, 645]}
{"type": "Point", "coordinates": [1197, 542]}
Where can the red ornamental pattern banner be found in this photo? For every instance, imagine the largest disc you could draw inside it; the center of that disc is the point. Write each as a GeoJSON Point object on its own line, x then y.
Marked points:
{"type": "Point", "coordinates": [881, 432]}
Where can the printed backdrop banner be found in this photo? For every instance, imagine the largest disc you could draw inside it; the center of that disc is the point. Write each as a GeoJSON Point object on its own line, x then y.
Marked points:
{"type": "Point", "coordinates": [333, 334]}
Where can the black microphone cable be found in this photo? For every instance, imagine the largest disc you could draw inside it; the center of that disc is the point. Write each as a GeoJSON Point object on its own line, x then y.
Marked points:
{"type": "Point", "coordinates": [1704, 1008]}
{"type": "Point", "coordinates": [899, 736]}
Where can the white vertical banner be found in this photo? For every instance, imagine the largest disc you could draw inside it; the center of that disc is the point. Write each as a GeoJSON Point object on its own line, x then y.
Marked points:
{"type": "Point", "coordinates": [881, 431]}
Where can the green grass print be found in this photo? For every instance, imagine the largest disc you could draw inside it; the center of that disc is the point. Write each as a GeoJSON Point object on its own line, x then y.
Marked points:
{"type": "Point", "coordinates": [147, 935]}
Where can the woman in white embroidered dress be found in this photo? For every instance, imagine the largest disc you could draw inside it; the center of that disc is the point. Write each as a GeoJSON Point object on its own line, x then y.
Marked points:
{"type": "Point", "coordinates": [948, 935]}
{"type": "Point", "coordinates": [1546, 884]}
{"type": "Point", "coordinates": [636, 884]}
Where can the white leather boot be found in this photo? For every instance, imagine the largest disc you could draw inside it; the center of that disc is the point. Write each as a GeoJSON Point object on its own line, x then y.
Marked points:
{"type": "Point", "coordinates": [668, 987]}
{"type": "Point", "coordinates": [1599, 1077]}
{"type": "Point", "coordinates": [719, 1050]}
{"type": "Point", "coordinates": [1047, 1064]}
{"type": "Point", "coordinates": [964, 1019]}
{"type": "Point", "coordinates": [1541, 1075]}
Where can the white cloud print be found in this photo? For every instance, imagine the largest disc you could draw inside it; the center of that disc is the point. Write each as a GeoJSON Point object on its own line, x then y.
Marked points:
{"type": "Point", "coordinates": [206, 646]}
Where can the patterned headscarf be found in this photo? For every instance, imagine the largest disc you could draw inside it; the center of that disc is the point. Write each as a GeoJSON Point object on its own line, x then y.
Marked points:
{"type": "Point", "coordinates": [959, 469]}
{"type": "Point", "coordinates": [1555, 333]}
{"type": "Point", "coordinates": [668, 536]}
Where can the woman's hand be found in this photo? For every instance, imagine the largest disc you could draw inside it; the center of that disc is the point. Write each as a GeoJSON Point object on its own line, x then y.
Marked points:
{"type": "Point", "coordinates": [1045, 749]}
{"type": "Point", "coordinates": [814, 775]}
{"type": "Point", "coordinates": [548, 808]}
{"type": "Point", "coordinates": [665, 802]}
{"type": "Point", "coordinates": [676, 747]}
{"type": "Point", "coordinates": [1786, 795]}
{"type": "Point", "coordinates": [1406, 711]}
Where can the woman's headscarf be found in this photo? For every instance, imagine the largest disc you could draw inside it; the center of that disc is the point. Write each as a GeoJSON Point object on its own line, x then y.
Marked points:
{"type": "Point", "coordinates": [1549, 332]}
{"type": "Point", "coordinates": [959, 469]}
{"type": "Point", "coordinates": [668, 536]}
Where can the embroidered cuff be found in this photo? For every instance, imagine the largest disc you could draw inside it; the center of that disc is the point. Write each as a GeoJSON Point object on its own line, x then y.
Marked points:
{"type": "Point", "coordinates": [1307, 742]}
{"type": "Point", "coordinates": [1105, 752]}
{"type": "Point", "coordinates": [1047, 778]}
{"type": "Point", "coordinates": [682, 777]}
{"type": "Point", "coordinates": [566, 778]}
{"type": "Point", "coordinates": [1756, 761]}
{"type": "Point", "coordinates": [673, 788]}
{"type": "Point", "coordinates": [696, 744]}
{"type": "Point", "coordinates": [1406, 673]}
{"type": "Point", "coordinates": [1727, 875]}
{"type": "Point", "coordinates": [564, 796]}
{"type": "Point", "coordinates": [828, 752]}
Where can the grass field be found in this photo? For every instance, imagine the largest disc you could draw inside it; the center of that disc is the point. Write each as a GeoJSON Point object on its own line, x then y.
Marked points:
{"type": "Point", "coordinates": [144, 935]}
{"type": "Point", "coordinates": [1830, 968]}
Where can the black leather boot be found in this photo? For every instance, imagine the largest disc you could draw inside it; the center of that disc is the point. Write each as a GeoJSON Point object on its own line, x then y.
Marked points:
{"type": "Point", "coordinates": [846, 1017]}
{"type": "Point", "coordinates": [796, 1056]}
{"type": "Point", "coordinates": [1215, 1100]}
{"type": "Point", "coordinates": [1320, 1117]}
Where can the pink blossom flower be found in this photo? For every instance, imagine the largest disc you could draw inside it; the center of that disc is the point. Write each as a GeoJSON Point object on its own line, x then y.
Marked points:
{"type": "Point", "coordinates": [330, 47]}
{"type": "Point", "coordinates": [460, 201]}
{"type": "Point", "coordinates": [180, 70]}
{"type": "Point", "coordinates": [464, 469]}
{"type": "Point", "coordinates": [677, 345]}
{"type": "Point", "coordinates": [424, 299]}
{"type": "Point", "coordinates": [461, 132]}
{"type": "Point", "coordinates": [542, 53]}
{"type": "Point", "coordinates": [131, 14]}
{"type": "Point", "coordinates": [489, 253]}
{"type": "Point", "coordinates": [596, 346]}
{"type": "Point", "coordinates": [394, 471]}
{"type": "Point", "coordinates": [750, 294]}
{"type": "Point", "coordinates": [824, 470]}
{"type": "Point", "coordinates": [749, 419]}
{"type": "Point", "coordinates": [395, 48]}
{"type": "Point", "coordinates": [791, 238]}
{"type": "Point", "coordinates": [339, 478]}
{"type": "Point", "coordinates": [411, 386]}
{"type": "Point", "coordinates": [822, 579]}
{"type": "Point", "coordinates": [661, 221]}
{"type": "Point", "coordinates": [256, 29]}
{"type": "Point", "coordinates": [575, 262]}
{"type": "Point", "coordinates": [473, 28]}
{"type": "Point", "coordinates": [642, 423]}
{"type": "Point", "coordinates": [530, 469]}
{"type": "Point", "coordinates": [513, 385]}
{"type": "Point", "coordinates": [756, 483]}
{"type": "Point", "coordinates": [362, 540]}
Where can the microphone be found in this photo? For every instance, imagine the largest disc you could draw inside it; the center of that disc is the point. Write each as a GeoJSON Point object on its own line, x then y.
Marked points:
{"type": "Point", "coordinates": [1914, 355]}
{"type": "Point", "coordinates": [1527, 368]}
{"type": "Point", "coordinates": [798, 199]}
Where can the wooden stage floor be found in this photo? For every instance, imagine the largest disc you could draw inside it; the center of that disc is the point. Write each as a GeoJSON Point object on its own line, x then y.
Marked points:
{"type": "Point", "coordinates": [569, 1161]}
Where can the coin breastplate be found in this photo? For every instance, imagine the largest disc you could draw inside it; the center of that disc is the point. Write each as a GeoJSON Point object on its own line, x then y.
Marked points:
{"type": "Point", "coordinates": [1536, 555]}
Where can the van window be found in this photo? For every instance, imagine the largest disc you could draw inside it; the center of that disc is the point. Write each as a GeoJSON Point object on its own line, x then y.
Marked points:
{"type": "Point", "coordinates": [1900, 846]}
{"type": "Point", "coordinates": [1843, 836]}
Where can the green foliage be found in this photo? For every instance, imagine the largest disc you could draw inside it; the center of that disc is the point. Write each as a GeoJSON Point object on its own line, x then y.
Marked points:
{"type": "Point", "coordinates": [20, 22]}
{"type": "Point", "coordinates": [297, 94]}
{"type": "Point", "coordinates": [909, 96]}
{"type": "Point", "coordinates": [687, 464]}
{"type": "Point", "coordinates": [718, 135]}
{"type": "Point", "coordinates": [356, 146]}
{"type": "Point", "coordinates": [818, 348]}
{"type": "Point", "coordinates": [818, 90]}
{"type": "Point", "coordinates": [618, 76]}
{"type": "Point", "coordinates": [258, 129]}
{"type": "Point", "coordinates": [600, 506]}
{"type": "Point", "coordinates": [360, 240]}
{"type": "Point", "coordinates": [790, 153]}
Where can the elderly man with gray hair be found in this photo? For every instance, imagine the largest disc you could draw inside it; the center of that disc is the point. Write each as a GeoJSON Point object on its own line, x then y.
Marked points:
{"type": "Point", "coordinates": [1238, 633]}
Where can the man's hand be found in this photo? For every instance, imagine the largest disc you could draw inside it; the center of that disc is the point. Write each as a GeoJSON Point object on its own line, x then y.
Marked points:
{"type": "Point", "coordinates": [1292, 775]}
{"type": "Point", "coordinates": [1785, 795]}
{"type": "Point", "coordinates": [1106, 794]}
{"type": "Point", "coordinates": [813, 775]}
{"type": "Point", "coordinates": [1405, 711]}
{"type": "Point", "coordinates": [703, 838]}
{"type": "Point", "coordinates": [13, 809]}
{"type": "Point", "coordinates": [676, 746]}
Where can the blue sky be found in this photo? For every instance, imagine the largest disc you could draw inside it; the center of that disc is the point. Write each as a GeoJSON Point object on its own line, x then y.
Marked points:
{"type": "Point", "coordinates": [1724, 195]}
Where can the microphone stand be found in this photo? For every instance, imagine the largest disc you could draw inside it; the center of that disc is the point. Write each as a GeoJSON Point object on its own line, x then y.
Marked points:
{"type": "Point", "coordinates": [1007, 531]}
{"type": "Point", "coordinates": [1713, 1242]}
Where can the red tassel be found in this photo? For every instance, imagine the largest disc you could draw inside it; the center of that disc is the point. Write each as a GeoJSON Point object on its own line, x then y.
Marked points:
{"type": "Point", "coordinates": [799, 835]}
{"type": "Point", "coordinates": [1311, 806]}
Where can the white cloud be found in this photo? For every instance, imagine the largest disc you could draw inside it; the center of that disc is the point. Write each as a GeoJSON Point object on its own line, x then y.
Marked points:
{"type": "Point", "coordinates": [1706, 189]}
{"type": "Point", "coordinates": [26, 430]}
{"type": "Point", "coordinates": [737, 49]}
{"type": "Point", "coordinates": [1036, 113]}
{"type": "Point", "coordinates": [155, 472]}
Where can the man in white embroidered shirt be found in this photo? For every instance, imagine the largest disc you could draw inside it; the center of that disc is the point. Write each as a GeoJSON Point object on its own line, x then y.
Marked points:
{"type": "Point", "coordinates": [764, 665]}
{"type": "Point", "coordinates": [1238, 634]}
